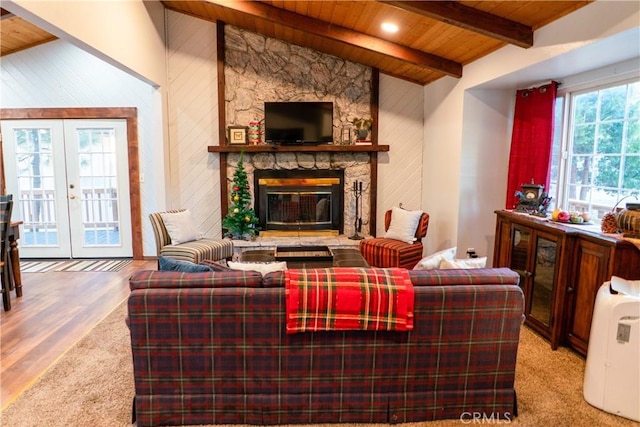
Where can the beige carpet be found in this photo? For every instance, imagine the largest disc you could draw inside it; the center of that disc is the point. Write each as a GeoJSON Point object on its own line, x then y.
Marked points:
{"type": "Point", "coordinates": [92, 385]}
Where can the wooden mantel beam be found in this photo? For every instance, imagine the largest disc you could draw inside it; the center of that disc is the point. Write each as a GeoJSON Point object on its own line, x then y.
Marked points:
{"type": "Point", "coordinates": [454, 13]}
{"type": "Point", "coordinates": [342, 35]}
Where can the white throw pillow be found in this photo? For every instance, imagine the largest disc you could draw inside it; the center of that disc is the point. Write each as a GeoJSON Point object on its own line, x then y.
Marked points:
{"type": "Point", "coordinates": [450, 264]}
{"type": "Point", "coordinates": [180, 227]}
{"type": "Point", "coordinates": [403, 225]}
{"type": "Point", "coordinates": [432, 262]}
{"type": "Point", "coordinates": [261, 267]}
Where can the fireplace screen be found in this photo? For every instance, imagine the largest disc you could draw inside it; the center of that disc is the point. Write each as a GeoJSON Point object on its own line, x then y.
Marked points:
{"type": "Point", "coordinates": [298, 207]}
{"type": "Point", "coordinates": [312, 202]}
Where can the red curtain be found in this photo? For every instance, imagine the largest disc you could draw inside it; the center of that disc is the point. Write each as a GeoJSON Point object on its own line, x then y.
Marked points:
{"type": "Point", "coordinates": [531, 140]}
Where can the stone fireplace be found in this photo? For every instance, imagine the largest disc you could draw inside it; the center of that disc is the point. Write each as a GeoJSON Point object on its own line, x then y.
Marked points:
{"type": "Point", "coordinates": [259, 69]}
{"type": "Point", "coordinates": [307, 191]}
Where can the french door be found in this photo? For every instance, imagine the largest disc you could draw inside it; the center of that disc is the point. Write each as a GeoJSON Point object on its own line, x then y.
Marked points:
{"type": "Point", "coordinates": [70, 184]}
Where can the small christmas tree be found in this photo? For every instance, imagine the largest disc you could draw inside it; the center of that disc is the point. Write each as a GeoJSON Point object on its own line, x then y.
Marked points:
{"type": "Point", "coordinates": [241, 221]}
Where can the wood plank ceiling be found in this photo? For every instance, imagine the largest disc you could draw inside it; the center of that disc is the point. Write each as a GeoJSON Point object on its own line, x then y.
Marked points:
{"type": "Point", "coordinates": [435, 38]}
{"type": "Point", "coordinates": [16, 34]}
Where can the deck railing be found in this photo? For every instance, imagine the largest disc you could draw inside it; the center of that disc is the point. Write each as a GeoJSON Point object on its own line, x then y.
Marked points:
{"type": "Point", "coordinates": [99, 208]}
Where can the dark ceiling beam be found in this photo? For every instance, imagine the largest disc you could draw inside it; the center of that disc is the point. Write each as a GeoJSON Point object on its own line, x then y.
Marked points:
{"type": "Point", "coordinates": [343, 35]}
{"type": "Point", "coordinates": [471, 19]}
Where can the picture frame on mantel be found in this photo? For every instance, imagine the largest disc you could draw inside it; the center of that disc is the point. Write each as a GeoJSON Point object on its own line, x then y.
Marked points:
{"type": "Point", "coordinates": [237, 135]}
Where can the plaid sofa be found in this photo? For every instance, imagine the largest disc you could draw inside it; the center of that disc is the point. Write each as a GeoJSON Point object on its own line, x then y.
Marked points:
{"type": "Point", "coordinates": [211, 348]}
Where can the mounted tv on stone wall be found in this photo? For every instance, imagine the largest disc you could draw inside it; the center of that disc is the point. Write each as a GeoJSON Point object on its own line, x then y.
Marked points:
{"type": "Point", "coordinates": [298, 123]}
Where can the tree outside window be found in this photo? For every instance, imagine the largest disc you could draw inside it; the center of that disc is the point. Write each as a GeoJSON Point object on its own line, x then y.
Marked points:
{"type": "Point", "coordinates": [600, 161]}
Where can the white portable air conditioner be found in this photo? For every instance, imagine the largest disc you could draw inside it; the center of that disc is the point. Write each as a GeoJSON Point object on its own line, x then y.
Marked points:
{"type": "Point", "coordinates": [612, 370]}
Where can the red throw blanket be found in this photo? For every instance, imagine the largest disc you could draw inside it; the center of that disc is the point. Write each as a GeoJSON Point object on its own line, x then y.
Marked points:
{"type": "Point", "coordinates": [328, 299]}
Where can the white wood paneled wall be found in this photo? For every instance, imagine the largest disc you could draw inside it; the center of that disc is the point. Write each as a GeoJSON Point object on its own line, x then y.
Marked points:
{"type": "Point", "coordinates": [193, 120]}
{"type": "Point", "coordinates": [58, 75]}
{"type": "Point", "coordinates": [401, 127]}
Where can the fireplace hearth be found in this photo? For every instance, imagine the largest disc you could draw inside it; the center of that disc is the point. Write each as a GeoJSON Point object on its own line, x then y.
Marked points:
{"type": "Point", "coordinates": [299, 200]}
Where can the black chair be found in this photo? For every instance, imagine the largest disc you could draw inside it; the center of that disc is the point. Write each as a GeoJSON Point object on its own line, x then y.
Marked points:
{"type": "Point", "coordinates": [6, 206]}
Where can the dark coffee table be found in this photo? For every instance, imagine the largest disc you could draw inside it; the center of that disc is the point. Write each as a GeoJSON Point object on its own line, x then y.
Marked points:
{"type": "Point", "coordinates": [307, 256]}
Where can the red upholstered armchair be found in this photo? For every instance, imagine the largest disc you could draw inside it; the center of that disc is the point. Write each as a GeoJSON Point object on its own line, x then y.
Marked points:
{"type": "Point", "coordinates": [384, 252]}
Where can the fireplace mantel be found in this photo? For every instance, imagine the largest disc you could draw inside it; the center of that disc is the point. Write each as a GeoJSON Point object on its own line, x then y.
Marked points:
{"type": "Point", "coordinates": [268, 148]}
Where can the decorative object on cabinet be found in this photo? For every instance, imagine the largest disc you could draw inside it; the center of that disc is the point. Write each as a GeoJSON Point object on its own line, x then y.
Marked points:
{"type": "Point", "coordinates": [533, 200]}
{"type": "Point", "coordinates": [629, 222]}
{"type": "Point", "coordinates": [237, 135]}
{"type": "Point", "coordinates": [609, 222]}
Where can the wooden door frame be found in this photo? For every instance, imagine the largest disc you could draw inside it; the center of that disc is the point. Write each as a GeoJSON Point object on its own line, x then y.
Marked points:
{"type": "Point", "coordinates": [130, 114]}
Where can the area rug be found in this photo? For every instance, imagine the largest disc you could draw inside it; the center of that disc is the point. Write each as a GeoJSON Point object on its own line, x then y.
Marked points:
{"type": "Point", "coordinates": [92, 385]}
{"type": "Point", "coordinates": [73, 265]}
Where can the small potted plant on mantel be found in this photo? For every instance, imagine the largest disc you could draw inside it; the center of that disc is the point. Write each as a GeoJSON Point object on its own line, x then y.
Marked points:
{"type": "Point", "coordinates": [363, 127]}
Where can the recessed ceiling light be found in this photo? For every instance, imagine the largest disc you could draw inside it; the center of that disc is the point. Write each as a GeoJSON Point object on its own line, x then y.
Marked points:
{"type": "Point", "coordinates": [389, 27]}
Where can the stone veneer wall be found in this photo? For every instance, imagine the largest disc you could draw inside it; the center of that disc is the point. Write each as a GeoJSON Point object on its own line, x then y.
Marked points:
{"type": "Point", "coordinates": [356, 166]}
{"type": "Point", "coordinates": [259, 69]}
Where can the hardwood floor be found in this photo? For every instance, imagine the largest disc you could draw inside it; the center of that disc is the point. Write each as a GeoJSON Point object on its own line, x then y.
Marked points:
{"type": "Point", "coordinates": [55, 311]}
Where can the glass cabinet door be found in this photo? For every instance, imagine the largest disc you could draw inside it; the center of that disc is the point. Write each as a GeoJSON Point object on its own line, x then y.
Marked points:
{"type": "Point", "coordinates": [520, 242]}
{"type": "Point", "coordinates": [541, 294]}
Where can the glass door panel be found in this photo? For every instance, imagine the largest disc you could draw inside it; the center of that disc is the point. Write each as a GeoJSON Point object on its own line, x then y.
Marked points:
{"type": "Point", "coordinates": [521, 242]}
{"type": "Point", "coordinates": [97, 173]}
{"type": "Point", "coordinates": [35, 174]}
{"type": "Point", "coordinates": [542, 292]}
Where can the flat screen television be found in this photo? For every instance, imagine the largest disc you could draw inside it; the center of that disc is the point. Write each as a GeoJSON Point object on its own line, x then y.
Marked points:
{"type": "Point", "coordinates": [295, 123]}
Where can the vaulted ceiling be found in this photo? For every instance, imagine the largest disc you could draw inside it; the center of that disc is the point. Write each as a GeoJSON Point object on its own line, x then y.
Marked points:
{"type": "Point", "coordinates": [434, 38]}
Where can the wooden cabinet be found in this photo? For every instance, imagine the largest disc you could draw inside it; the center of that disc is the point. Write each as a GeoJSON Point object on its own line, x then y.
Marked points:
{"type": "Point", "coordinates": [561, 269]}
{"type": "Point", "coordinates": [537, 255]}
{"type": "Point", "coordinates": [591, 261]}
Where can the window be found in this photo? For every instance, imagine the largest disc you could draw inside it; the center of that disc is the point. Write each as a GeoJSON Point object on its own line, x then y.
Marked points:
{"type": "Point", "coordinates": [596, 148]}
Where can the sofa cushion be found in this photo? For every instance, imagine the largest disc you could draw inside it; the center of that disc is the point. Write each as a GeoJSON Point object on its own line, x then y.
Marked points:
{"type": "Point", "coordinates": [480, 276]}
{"type": "Point", "coordinates": [386, 253]}
{"type": "Point", "coordinates": [170, 264]}
{"type": "Point", "coordinates": [149, 279]}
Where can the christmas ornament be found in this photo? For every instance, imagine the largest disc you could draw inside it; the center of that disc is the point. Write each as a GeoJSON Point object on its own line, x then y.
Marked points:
{"type": "Point", "coordinates": [236, 198]}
